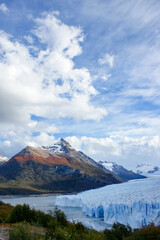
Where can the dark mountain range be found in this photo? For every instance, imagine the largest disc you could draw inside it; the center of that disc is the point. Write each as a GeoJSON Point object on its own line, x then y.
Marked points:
{"type": "Point", "coordinates": [120, 171]}
{"type": "Point", "coordinates": [57, 169]}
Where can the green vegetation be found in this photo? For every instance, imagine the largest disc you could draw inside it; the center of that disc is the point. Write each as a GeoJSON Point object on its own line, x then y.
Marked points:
{"type": "Point", "coordinates": [23, 232]}
{"type": "Point", "coordinates": [5, 209]}
{"type": "Point", "coordinates": [56, 227]}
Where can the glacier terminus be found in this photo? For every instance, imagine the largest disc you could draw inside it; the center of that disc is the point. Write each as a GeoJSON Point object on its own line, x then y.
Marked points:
{"type": "Point", "coordinates": [136, 202]}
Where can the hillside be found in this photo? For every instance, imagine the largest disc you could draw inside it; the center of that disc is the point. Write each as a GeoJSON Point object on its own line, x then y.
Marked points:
{"type": "Point", "coordinates": [120, 171]}
{"type": "Point", "coordinates": [40, 170]}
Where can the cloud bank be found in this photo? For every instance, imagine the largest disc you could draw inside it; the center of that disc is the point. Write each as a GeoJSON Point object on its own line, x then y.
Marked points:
{"type": "Point", "coordinates": [42, 79]}
{"type": "Point", "coordinates": [123, 150]}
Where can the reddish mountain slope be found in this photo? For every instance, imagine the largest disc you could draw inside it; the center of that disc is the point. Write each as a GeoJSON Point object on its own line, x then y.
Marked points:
{"type": "Point", "coordinates": [36, 170]}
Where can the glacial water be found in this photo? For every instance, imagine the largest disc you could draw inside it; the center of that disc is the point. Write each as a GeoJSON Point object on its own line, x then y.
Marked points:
{"type": "Point", "coordinates": [46, 203]}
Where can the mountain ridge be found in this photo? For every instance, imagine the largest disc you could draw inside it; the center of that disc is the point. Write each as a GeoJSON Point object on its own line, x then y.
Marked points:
{"type": "Point", "coordinates": [120, 171]}
{"type": "Point", "coordinates": [42, 171]}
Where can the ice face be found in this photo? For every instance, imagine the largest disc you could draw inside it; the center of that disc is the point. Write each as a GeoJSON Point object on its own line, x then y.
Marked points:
{"type": "Point", "coordinates": [135, 203]}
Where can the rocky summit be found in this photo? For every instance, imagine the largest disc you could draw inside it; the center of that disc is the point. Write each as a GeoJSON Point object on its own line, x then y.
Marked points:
{"type": "Point", "coordinates": [120, 171]}
{"type": "Point", "coordinates": [52, 169]}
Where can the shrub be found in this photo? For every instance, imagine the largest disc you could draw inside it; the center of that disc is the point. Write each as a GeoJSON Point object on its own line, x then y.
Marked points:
{"type": "Point", "coordinates": [150, 232]}
{"type": "Point", "coordinates": [118, 232]}
{"type": "Point", "coordinates": [23, 213]}
{"type": "Point", "coordinates": [20, 232]}
{"type": "Point", "coordinates": [51, 229]}
{"type": "Point", "coordinates": [5, 209]}
{"type": "Point", "coordinates": [121, 231]}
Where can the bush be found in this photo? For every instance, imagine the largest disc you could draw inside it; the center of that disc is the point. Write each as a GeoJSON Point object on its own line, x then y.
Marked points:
{"type": "Point", "coordinates": [20, 232]}
{"type": "Point", "coordinates": [121, 231]}
{"type": "Point", "coordinates": [51, 229]}
{"type": "Point", "coordinates": [150, 232]}
{"type": "Point", "coordinates": [23, 213]}
{"type": "Point", "coordinates": [118, 232]}
{"type": "Point", "coordinates": [5, 209]}
{"type": "Point", "coordinates": [60, 234]}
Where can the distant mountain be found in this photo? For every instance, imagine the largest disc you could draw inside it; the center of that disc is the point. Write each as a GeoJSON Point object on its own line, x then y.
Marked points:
{"type": "Point", "coordinates": [58, 169]}
{"type": "Point", "coordinates": [3, 159]}
{"type": "Point", "coordinates": [120, 171]}
{"type": "Point", "coordinates": [146, 169]}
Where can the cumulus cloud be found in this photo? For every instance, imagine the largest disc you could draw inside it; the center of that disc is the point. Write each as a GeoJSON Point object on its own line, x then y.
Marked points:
{"type": "Point", "coordinates": [19, 140]}
{"type": "Point", "coordinates": [4, 8]}
{"type": "Point", "coordinates": [120, 149]}
{"type": "Point", "coordinates": [58, 36]}
{"type": "Point", "coordinates": [97, 147]}
{"type": "Point", "coordinates": [43, 81]}
{"type": "Point", "coordinates": [47, 84]}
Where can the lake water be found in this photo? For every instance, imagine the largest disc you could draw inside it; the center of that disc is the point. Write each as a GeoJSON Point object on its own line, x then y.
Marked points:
{"type": "Point", "coordinates": [47, 202]}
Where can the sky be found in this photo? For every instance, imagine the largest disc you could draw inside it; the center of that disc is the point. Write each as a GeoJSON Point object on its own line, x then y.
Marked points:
{"type": "Point", "coordinates": [84, 70]}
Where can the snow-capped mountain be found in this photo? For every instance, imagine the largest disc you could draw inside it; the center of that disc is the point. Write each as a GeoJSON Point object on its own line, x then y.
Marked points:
{"type": "Point", "coordinates": [58, 168]}
{"type": "Point", "coordinates": [120, 171]}
{"type": "Point", "coordinates": [3, 159]}
{"type": "Point", "coordinates": [62, 147]}
{"type": "Point", "coordinates": [147, 170]}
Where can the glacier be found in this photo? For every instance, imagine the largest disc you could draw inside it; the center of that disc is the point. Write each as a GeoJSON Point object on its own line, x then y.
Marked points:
{"type": "Point", "coordinates": [136, 202]}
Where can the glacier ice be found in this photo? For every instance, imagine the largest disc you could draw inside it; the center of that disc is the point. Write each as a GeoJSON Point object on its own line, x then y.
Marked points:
{"type": "Point", "coordinates": [136, 202]}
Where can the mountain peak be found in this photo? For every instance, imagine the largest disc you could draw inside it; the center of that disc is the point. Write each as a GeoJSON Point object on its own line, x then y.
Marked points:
{"type": "Point", "coordinates": [62, 140]}
{"type": "Point", "coordinates": [62, 146]}
{"type": "Point", "coordinates": [57, 168]}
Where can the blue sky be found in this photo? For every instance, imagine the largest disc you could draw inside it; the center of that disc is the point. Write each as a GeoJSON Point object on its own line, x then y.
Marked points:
{"type": "Point", "coordinates": [88, 71]}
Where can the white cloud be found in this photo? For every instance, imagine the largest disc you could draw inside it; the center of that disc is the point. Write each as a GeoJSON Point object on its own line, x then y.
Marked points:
{"type": "Point", "coordinates": [21, 138]}
{"type": "Point", "coordinates": [29, 39]}
{"type": "Point", "coordinates": [4, 8]}
{"type": "Point", "coordinates": [98, 148]}
{"type": "Point", "coordinates": [58, 36]}
{"type": "Point", "coordinates": [46, 84]}
{"type": "Point", "coordinates": [107, 59]}
{"type": "Point", "coordinates": [121, 149]}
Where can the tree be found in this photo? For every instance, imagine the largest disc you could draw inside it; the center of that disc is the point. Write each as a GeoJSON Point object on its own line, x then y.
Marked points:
{"type": "Point", "coordinates": [60, 217]}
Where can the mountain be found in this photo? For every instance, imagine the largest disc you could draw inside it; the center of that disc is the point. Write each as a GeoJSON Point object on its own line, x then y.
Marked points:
{"type": "Point", "coordinates": [147, 170]}
{"type": "Point", "coordinates": [120, 171]}
{"type": "Point", "coordinates": [58, 169]}
{"type": "Point", "coordinates": [64, 148]}
{"type": "Point", "coordinates": [3, 159]}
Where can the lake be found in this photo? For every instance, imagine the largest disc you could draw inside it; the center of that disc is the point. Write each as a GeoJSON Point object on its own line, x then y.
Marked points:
{"type": "Point", "coordinates": [47, 202]}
